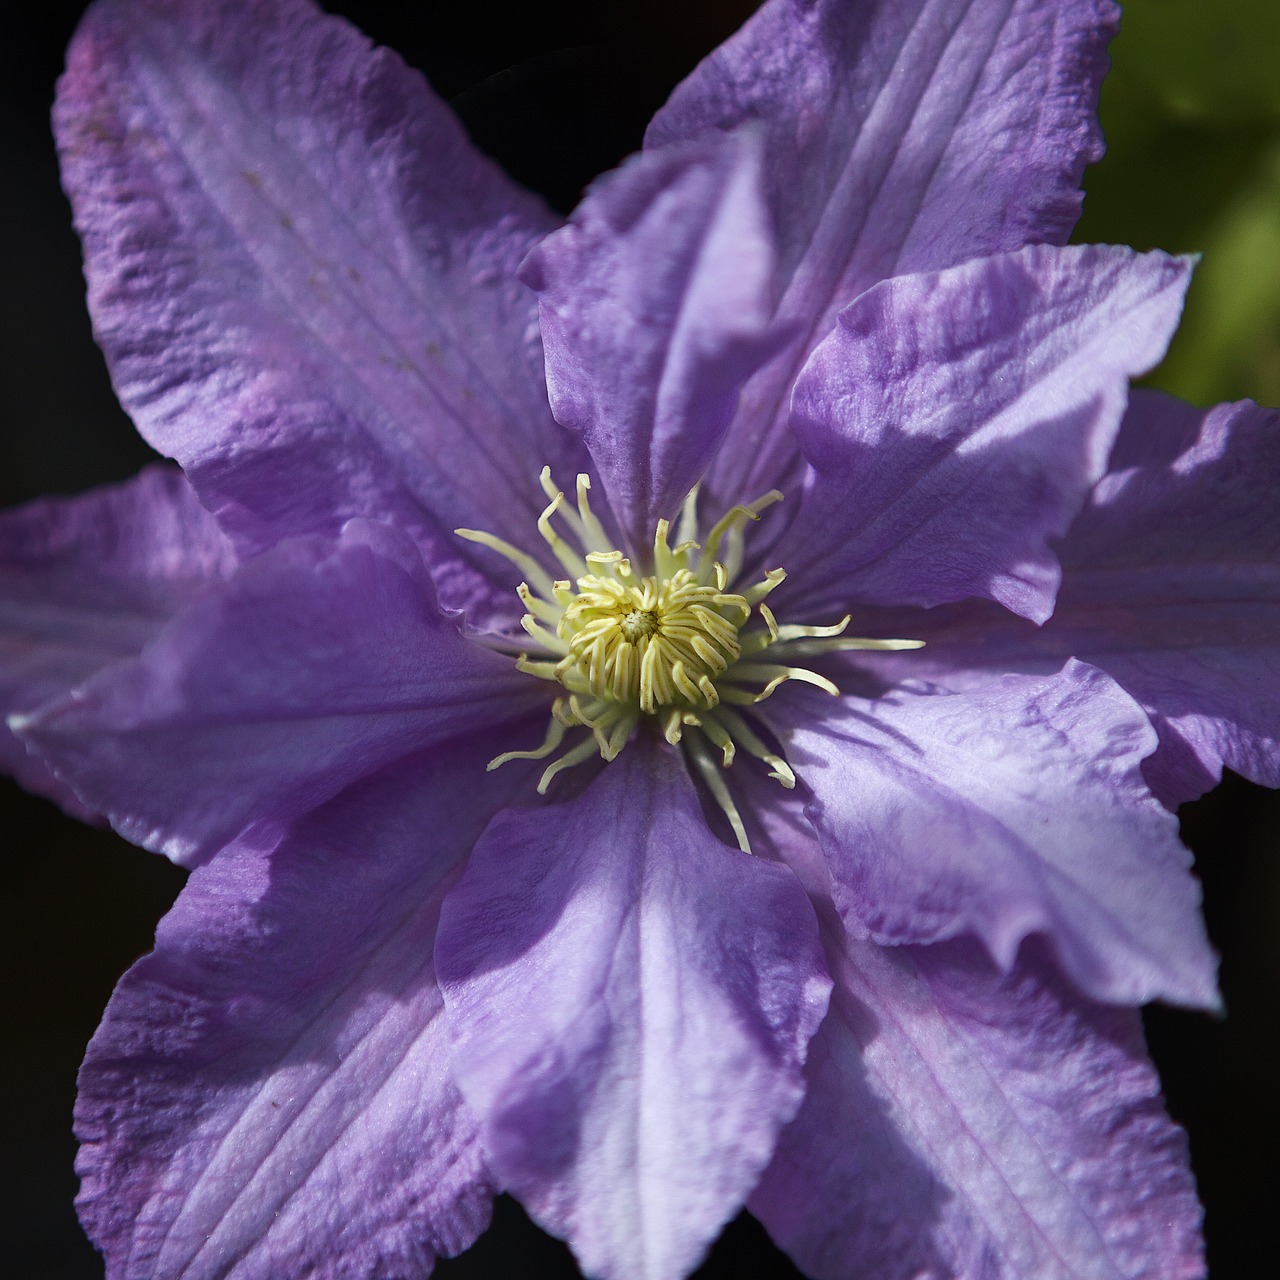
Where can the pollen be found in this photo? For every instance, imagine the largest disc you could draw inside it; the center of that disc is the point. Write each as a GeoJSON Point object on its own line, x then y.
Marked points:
{"type": "Point", "coordinates": [675, 641]}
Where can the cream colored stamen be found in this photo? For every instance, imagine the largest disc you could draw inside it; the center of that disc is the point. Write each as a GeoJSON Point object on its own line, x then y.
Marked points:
{"type": "Point", "coordinates": [673, 641]}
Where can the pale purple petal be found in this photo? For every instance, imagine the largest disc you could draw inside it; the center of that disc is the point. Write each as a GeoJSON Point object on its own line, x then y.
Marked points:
{"type": "Point", "coordinates": [901, 136]}
{"type": "Point", "coordinates": [957, 421]}
{"type": "Point", "coordinates": [87, 581]}
{"type": "Point", "coordinates": [631, 1001]}
{"type": "Point", "coordinates": [302, 274]}
{"type": "Point", "coordinates": [1172, 585]}
{"type": "Point", "coordinates": [1014, 808]}
{"type": "Point", "coordinates": [963, 1124]}
{"type": "Point", "coordinates": [316, 665]}
{"type": "Point", "coordinates": [655, 303]}
{"type": "Point", "coordinates": [268, 1094]}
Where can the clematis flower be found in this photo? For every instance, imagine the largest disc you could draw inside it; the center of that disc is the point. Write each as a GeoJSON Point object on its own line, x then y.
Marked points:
{"type": "Point", "coordinates": [669, 711]}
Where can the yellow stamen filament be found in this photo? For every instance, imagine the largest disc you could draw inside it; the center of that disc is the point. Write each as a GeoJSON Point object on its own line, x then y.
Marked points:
{"type": "Point", "coordinates": [676, 641]}
{"type": "Point", "coordinates": [527, 565]}
{"type": "Point", "coordinates": [555, 736]}
{"type": "Point", "coordinates": [714, 779]}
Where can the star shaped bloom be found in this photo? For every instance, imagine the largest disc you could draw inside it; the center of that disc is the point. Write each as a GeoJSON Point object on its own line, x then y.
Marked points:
{"type": "Point", "coordinates": [903, 1028]}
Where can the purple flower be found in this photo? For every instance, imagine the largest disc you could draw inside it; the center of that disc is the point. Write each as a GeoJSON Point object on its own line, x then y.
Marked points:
{"type": "Point", "coordinates": [468, 770]}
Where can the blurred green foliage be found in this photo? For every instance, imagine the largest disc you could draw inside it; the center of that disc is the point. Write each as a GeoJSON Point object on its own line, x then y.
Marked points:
{"type": "Point", "coordinates": [1191, 113]}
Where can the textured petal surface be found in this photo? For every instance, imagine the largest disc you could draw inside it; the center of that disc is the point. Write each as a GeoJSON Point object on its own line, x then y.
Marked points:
{"type": "Point", "coordinates": [268, 1094]}
{"type": "Point", "coordinates": [1014, 808]}
{"type": "Point", "coordinates": [957, 421]}
{"type": "Point", "coordinates": [318, 664]}
{"type": "Point", "coordinates": [301, 273]}
{"type": "Point", "coordinates": [963, 1125]}
{"type": "Point", "coordinates": [1172, 585]}
{"type": "Point", "coordinates": [87, 581]}
{"type": "Point", "coordinates": [901, 136]}
{"type": "Point", "coordinates": [655, 303]}
{"type": "Point", "coordinates": [631, 1001]}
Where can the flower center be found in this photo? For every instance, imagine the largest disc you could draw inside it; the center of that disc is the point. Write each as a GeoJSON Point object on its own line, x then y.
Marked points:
{"type": "Point", "coordinates": [640, 624]}
{"type": "Point", "coordinates": [673, 643]}
{"type": "Point", "coordinates": [655, 642]}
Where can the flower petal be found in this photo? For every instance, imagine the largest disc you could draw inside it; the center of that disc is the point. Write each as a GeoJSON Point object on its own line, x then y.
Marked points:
{"type": "Point", "coordinates": [87, 581]}
{"type": "Point", "coordinates": [957, 421]}
{"type": "Point", "coordinates": [981, 1127]}
{"type": "Point", "coordinates": [318, 664]}
{"type": "Point", "coordinates": [1172, 585]}
{"type": "Point", "coordinates": [268, 1094]}
{"type": "Point", "coordinates": [901, 136]}
{"type": "Point", "coordinates": [631, 1002]}
{"type": "Point", "coordinates": [655, 303]}
{"type": "Point", "coordinates": [302, 274]}
{"type": "Point", "coordinates": [1013, 808]}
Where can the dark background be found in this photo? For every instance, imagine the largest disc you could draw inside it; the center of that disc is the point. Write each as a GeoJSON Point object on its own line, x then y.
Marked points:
{"type": "Point", "coordinates": [559, 91]}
